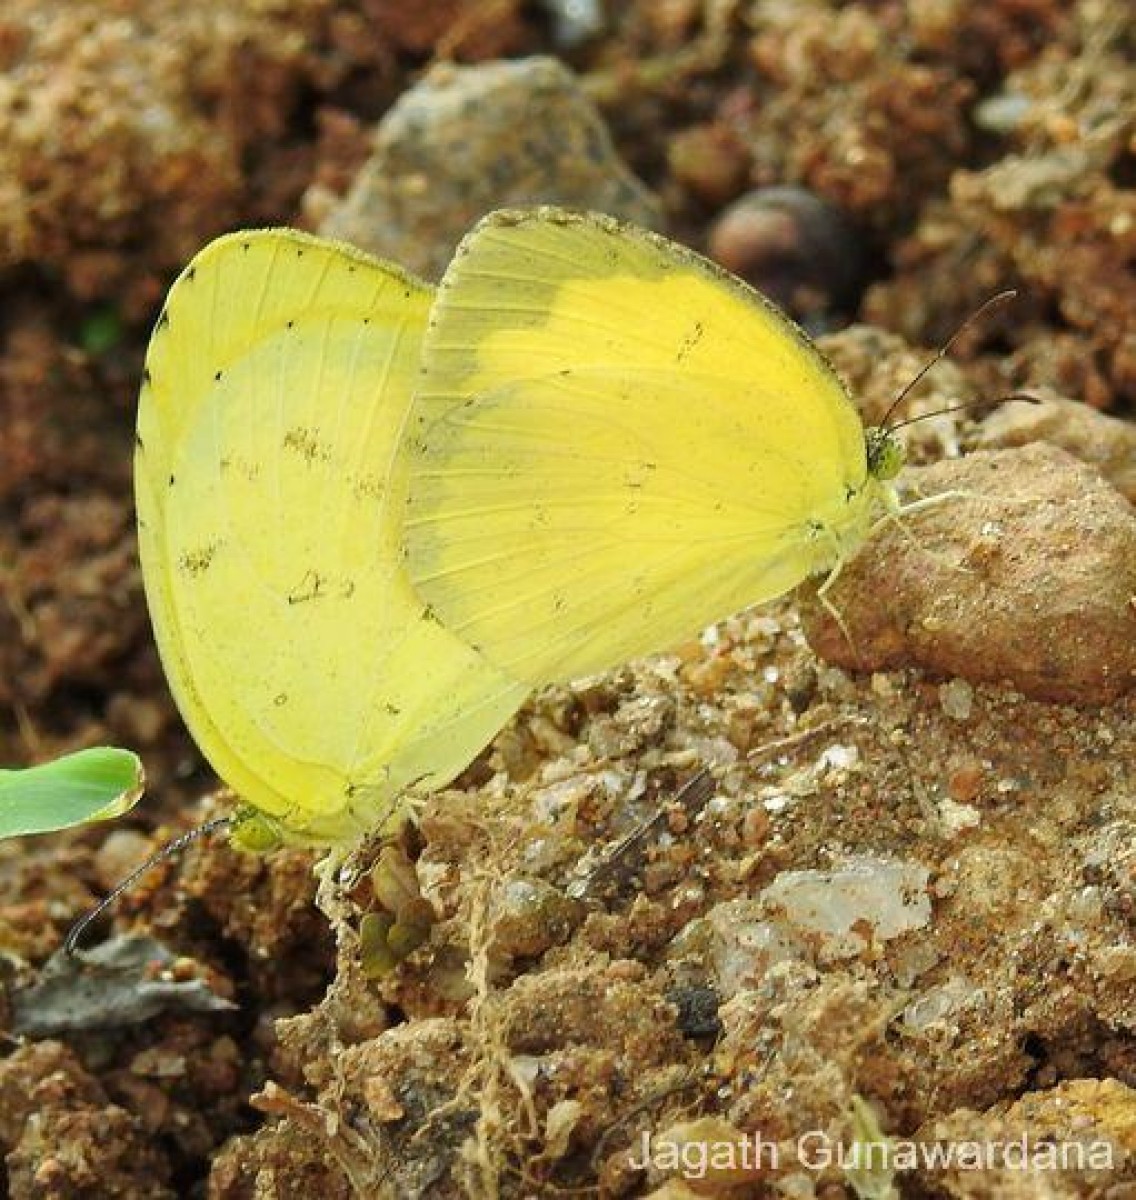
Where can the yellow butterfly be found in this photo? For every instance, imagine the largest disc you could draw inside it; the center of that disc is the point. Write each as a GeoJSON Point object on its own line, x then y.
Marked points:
{"type": "Point", "coordinates": [615, 442]}
{"type": "Point", "coordinates": [270, 491]}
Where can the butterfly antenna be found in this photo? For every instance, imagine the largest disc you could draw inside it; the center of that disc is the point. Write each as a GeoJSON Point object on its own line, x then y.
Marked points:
{"type": "Point", "coordinates": [1008, 398]}
{"type": "Point", "coordinates": [71, 942]}
{"type": "Point", "coordinates": [979, 314]}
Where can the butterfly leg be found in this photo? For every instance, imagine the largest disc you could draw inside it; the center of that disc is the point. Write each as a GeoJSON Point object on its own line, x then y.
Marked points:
{"type": "Point", "coordinates": [329, 891]}
{"type": "Point", "coordinates": [896, 514]}
{"type": "Point", "coordinates": [895, 511]}
{"type": "Point", "coordinates": [822, 595]}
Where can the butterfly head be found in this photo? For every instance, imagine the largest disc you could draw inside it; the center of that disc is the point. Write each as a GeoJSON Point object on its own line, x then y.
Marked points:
{"type": "Point", "coordinates": [885, 455]}
{"type": "Point", "coordinates": [255, 831]}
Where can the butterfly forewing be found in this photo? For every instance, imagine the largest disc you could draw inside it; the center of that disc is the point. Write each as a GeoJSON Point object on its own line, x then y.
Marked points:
{"type": "Point", "coordinates": [615, 444]}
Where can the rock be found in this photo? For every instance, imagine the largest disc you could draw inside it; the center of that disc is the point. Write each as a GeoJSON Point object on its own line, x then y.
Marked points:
{"type": "Point", "coordinates": [450, 150]}
{"type": "Point", "coordinates": [794, 246]}
{"type": "Point", "coordinates": [1027, 576]}
{"type": "Point", "coordinates": [742, 944]}
{"type": "Point", "coordinates": [805, 915]}
{"type": "Point", "coordinates": [862, 896]}
{"type": "Point", "coordinates": [956, 698]}
{"type": "Point", "coordinates": [1104, 442]}
{"type": "Point", "coordinates": [529, 916]}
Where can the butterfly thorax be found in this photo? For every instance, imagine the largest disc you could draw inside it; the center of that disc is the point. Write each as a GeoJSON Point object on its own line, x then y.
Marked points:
{"type": "Point", "coordinates": [259, 832]}
{"type": "Point", "coordinates": [837, 535]}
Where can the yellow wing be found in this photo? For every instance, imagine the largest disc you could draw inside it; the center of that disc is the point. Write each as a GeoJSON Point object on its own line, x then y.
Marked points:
{"type": "Point", "coordinates": [616, 443]}
{"type": "Point", "coordinates": [269, 489]}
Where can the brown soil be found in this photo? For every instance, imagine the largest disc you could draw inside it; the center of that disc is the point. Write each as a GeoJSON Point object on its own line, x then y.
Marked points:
{"type": "Point", "coordinates": [950, 767]}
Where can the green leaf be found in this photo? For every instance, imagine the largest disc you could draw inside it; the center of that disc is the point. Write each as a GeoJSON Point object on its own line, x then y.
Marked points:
{"type": "Point", "coordinates": [91, 785]}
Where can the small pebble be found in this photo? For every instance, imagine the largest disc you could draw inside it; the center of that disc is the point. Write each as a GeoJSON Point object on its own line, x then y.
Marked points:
{"type": "Point", "coordinates": [121, 852]}
{"type": "Point", "coordinates": [529, 916]}
{"type": "Point", "coordinates": [574, 22]}
{"type": "Point", "coordinates": [887, 896]}
{"type": "Point", "coordinates": [796, 248]}
{"type": "Point", "coordinates": [710, 161]}
{"type": "Point", "coordinates": [956, 698]}
{"type": "Point", "coordinates": [964, 783]}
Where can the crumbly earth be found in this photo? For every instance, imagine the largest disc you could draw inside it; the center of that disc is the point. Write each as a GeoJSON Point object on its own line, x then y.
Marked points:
{"type": "Point", "coordinates": [901, 907]}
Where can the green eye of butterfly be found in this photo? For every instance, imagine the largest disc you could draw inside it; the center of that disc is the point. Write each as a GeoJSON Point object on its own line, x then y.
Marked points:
{"type": "Point", "coordinates": [885, 455]}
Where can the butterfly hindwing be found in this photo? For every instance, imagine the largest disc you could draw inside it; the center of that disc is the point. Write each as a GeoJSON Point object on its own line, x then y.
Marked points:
{"type": "Point", "coordinates": [270, 488]}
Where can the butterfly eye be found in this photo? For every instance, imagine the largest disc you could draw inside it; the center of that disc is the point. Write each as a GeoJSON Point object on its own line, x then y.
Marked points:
{"type": "Point", "coordinates": [256, 831]}
{"type": "Point", "coordinates": [885, 455]}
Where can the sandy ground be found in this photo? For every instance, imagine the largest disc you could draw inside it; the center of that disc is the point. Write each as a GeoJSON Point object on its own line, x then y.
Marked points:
{"type": "Point", "coordinates": [900, 903]}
